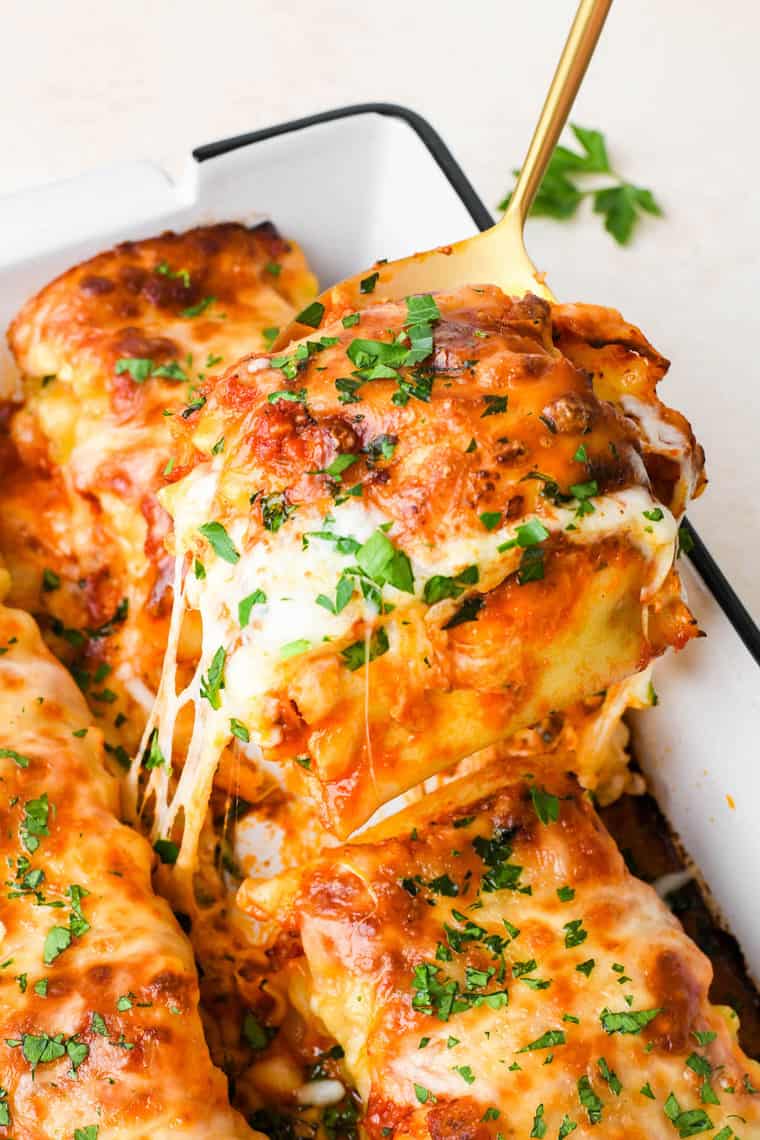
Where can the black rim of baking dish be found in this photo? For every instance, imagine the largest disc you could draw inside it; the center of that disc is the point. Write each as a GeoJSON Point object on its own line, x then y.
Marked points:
{"type": "Point", "coordinates": [700, 556]}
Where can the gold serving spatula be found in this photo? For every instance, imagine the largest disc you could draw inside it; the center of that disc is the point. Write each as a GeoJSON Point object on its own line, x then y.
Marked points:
{"type": "Point", "coordinates": [498, 255]}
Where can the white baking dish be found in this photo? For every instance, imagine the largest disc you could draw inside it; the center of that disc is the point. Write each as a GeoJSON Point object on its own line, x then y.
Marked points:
{"type": "Point", "coordinates": [376, 181]}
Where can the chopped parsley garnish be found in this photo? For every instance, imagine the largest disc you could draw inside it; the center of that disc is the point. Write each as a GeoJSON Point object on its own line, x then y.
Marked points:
{"type": "Point", "coordinates": [99, 1025]}
{"type": "Point", "coordinates": [685, 540]}
{"type": "Point", "coordinates": [16, 757]}
{"type": "Point", "coordinates": [138, 367]}
{"type": "Point", "coordinates": [655, 515]}
{"type": "Point", "coordinates": [495, 405]}
{"type": "Point", "coordinates": [547, 1040]}
{"type": "Point", "coordinates": [538, 1131]}
{"type": "Point", "coordinates": [589, 1100]}
{"type": "Point", "coordinates": [586, 967]}
{"type": "Point", "coordinates": [465, 1073]}
{"type": "Point", "coordinates": [57, 939]}
{"type": "Point", "coordinates": [545, 804]}
{"type": "Point", "coordinates": [439, 587]}
{"type": "Point", "coordinates": [343, 595]}
{"type": "Point", "coordinates": [294, 648]}
{"type": "Point", "coordinates": [627, 1021]}
{"type": "Point", "coordinates": [290, 395]}
{"type": "Point", "coordinates": [256, 1035]}
{"type": "Point", "coordinates": [575, 935]}
{"type": "Point", "coordinates": [437, 993]}
{"type": "Point", "coordinates": [245, 605]}
{"type": "Point", "coordinates": [275, 510]}
{"type": "Point", "coordinates": [382, 562]}
{"type": "Point", "coordinates": [496, 853]}
{"type": "Point", "coordinates": [468, 611]}
{"type": "Point", "coordinates": [610, 1076]}
{"type": "Point", "coordinates": [689, 1122]}
{"type": "Point", "coordinates": [584, 490]}
{"type": "Point", "coordinates": [213, 682]}
{"type": "Point", "coordinates": [270, 335]}
{"type": "Point", "coordinates": [197, 309]}
{"type": "Point", "coordinates": [50, 581]}
{"type": "Point", "coordinates": [360, 652]}
{"type": "Point", "coordinates": [220, 541]}
{"type": "Point", "coordinates": [566, 1127]}
{"type": "Point", "coordinates": [164, 270]}
{"type": "Point", "coordinates": [350, 320]}
{"type": "Point", "coordinates": [141, 368]}
{"type": "Point", "coordinates": [381, 447]}
{"type": "Point", "coordinates": [367, 284]}
{"type": "Point", "coordinates": [311, 315]}
{"type": "Point", "coordinates": [565, 894]}
{"type": "Point", "coordinates": [340, 463]}
{"type": "Point", "coordinates": [239, 730]}
{"type": "Point", "coordinates": [490, 519]}
{"type": "Point", "coordinates": [581, 455]}
{"type": "Point", "coordinates": [347, 389]}
{"type": "Point", "coordinates": [531, 567]}
{"type": "Point", "coordinates": [166, 850]}
{"type": "Point", "coordinates": [155, 757]}
{"type": "Point", "coordinates": [34, 825]}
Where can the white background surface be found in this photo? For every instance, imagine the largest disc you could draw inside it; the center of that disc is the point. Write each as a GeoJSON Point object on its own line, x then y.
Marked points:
{"type": "Point", "coordinates": [675, 87]}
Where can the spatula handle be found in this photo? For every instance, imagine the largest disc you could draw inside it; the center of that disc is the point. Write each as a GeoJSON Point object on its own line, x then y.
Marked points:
{"type": "Point", "coordinates": [576, 54]}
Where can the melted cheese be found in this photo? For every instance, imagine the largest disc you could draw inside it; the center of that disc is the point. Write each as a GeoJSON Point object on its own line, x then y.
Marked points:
{"type": "Point", "coordinates": [98, 437]}
{"type": "Point", "coordinates": [491, 969]}
{"type": "Point", "coordinates": [104, 976]}
{"type": "Point", "coordinates": [290, 649]}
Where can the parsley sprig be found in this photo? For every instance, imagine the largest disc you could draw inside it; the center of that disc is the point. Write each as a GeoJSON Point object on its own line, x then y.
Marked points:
{"type": "Point", "coordinates": [621, 203]}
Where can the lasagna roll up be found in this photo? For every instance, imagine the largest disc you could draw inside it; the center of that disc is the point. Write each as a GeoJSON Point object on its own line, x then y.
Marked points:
{"type": "Point", "coordinates": [109, 353]}
{"type": "Point", "coordinates": [99, 1024]}
{"type": "Point", "coordinates": [413, 533]}
{"type": "Point", "coordinates": [492, 970]}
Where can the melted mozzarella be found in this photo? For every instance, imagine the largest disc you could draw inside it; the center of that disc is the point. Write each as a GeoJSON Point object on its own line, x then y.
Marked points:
{"type": "Point", "coordinates": [293, 567]}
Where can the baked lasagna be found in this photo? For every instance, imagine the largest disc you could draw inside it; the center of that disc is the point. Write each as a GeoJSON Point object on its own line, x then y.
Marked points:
{"type": "Point", "coordinates": [491, 969]}
{"type": "Point", "coordinates": [422, 528]}
{"type": "Point", "coordinates": [108, 354]}
{"type": "Point", "coordinates": [99, 1025]}
{"type": "Point", "coordinates": [417, 563]}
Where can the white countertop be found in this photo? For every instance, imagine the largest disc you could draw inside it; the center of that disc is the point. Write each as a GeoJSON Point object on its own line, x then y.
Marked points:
{"type": "Point", "coordinates": [674, 87]}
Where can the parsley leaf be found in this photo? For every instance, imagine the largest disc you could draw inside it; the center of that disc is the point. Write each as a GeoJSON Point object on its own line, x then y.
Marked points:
{"type": "Point", "coordinates": [547, 1040]}
{"type": "Point", "coordinates": [245, 605]}
{"type": "Point", "coordinates": [16, 757]}
{"type": "Point", "coordinates": [166, 850]}
{"type": "Point", "coordinates": [220, 541]}
{"type": "Point", "coordinates": [360, 652]}
{"type": "Point", "coordinates": [439, 586]}
{"type": "Point", "coordinates": [311, 315]}
{"type": "Point", "coordinates": [627, 1020]}
{"type": "Point", "coordinates": [213, 681]}
{"type": "Point", "coordinates": [546, 805]}
{"type": "Point", "coordinates": [197, 309]}
{"type": "Point", "coordinates": [621, 204]}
